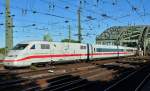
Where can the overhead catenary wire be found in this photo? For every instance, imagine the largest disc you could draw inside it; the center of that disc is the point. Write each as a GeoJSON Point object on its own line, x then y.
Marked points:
{"type": "Point", "coordinates": [44, 13]}
{"type": "Point", "coordinates": [33, 11]}
{"type": "Point", "coordinates": [94, 12]}
{"type": "Point", "coordinates": [91, 15]}
{"type": "Point", "coordinates": [135, 9]}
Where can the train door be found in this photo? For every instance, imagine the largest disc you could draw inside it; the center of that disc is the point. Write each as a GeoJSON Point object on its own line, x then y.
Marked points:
{"type": "Point", "coordinates": [91, 52]}
{"type": "Point", "coordinates": [88, 52]}
{"type": "Point", "coordinates": [32, 49]}
{"type": "Point", "coordinates": [57, 51]}
{"type": "Point", "coordinates": [53, 51]}
{"type": "Point", "coordinates": [66, 50]}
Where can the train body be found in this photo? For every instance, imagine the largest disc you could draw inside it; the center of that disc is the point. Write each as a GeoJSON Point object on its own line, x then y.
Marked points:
{"type": "Point", "coordinates": [32, 52]}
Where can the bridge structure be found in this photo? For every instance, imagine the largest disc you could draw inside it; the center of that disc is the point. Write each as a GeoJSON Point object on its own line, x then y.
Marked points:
{"type": "Point", "coordinates": [130, 36]}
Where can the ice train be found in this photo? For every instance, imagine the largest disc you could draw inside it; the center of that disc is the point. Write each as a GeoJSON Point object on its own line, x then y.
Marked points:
{"type": "Point", "coordinates": [34, 52]}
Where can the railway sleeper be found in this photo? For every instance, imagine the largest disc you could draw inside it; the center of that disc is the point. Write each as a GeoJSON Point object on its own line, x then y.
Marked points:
{"type": "Point", "coordinates": [54, 82]}
{"type": "Point", "coordinates": [53, 86]}
{"type": "Point", "coordinates": [12, 84]}
{"type": "Point", "coordinates": [67, 85]}
{"type": "Point", "coordinates": [133, 80]}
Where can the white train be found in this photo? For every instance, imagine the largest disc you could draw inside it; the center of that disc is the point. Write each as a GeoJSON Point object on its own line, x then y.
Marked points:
{"type": "Point", "coordinates": [33, 52]}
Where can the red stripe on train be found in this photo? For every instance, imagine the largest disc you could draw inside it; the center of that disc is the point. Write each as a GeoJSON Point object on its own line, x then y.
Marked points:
{"type": "Point", "coordinates": [62, 55]}
{"type": "Point", "coordinates": [1, 60]}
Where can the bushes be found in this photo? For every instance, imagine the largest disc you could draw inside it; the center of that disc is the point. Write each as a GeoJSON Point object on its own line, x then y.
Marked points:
{"type": "Point", "coordinates": [2, 50]}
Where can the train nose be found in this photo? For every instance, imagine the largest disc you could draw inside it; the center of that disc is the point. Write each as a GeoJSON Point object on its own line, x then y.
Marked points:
{"type": "Point", "coordinates": [9, 61]}
{"type": "Point", "coordinates": [8, 64]}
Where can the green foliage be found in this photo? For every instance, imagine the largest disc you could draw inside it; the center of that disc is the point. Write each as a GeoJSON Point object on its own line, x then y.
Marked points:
{"type": "Point", "coordinates": [2, 50]}
{"type": "Point", "coordinates": [47, 37]}
{"type": "Point", "coordinates": [67, 40]}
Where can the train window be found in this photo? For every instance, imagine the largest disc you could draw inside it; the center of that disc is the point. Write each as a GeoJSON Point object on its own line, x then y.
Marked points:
{"type": "Point", "coordinates": [129, 50]}
{"type": "Point", "coordinates": [45, 46]}
{"type": "Point", "coordinates": [20, 46]}
{"type": "Point", "coordinates": [98, 49]}
{"type": "Point", "coordinates": [33, 47]}
{"type": "Point", "coordinates": [82, 47]}
{"type": "Point", "coordinates": [107, 50]}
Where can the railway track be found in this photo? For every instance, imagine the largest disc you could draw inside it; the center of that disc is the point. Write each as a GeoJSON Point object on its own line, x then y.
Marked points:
{"type": "Point", "coordinates": [13, 84]}
{"type": "Point", "coordinates": [14, 74]}
{"type": "Point", "coordinates": [132, 82]}
{"type": "Point", "coordinates": [23, 82]}
{"type": "Point", "coordinates": [62, 83]}
{"type": "Point", "coordinates": [29, 72]}
{"type": "Point", "coordinates": [71, 83]}
{"type": "Point", "coordinates": [79, 77]}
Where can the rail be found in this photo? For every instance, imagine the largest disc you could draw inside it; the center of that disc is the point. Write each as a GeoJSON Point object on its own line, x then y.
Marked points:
{"type": "Point", "coordinates": [132, 82]}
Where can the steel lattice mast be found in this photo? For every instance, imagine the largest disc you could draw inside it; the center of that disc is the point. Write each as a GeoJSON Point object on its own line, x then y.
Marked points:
{"type": "Point", "coordinates": [8, 27]}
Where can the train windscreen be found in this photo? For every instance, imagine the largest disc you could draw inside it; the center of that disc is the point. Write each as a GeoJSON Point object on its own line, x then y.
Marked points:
{"type": "Point", "coordinates": [20, 46]}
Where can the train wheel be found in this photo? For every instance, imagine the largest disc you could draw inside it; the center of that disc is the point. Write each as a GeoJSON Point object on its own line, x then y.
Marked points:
{"type": "Point", "coordinates": [76, 61]}
{"type": "Point", "coordinates": [48, 64]}
{"type": "Point", "coordinates": [33, 67]}
{"type": "Point", "coordinates": [87, 61]}
{"type": "Point", "coordinates": [6, 67]}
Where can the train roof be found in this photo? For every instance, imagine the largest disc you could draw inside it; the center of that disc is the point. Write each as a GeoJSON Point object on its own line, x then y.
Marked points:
{"type": "Point", "coordinates": [42, 41]}
{"type": "Point", "coordinates": [33, 41]}
{"type": "Point", "coordinates": [97, 45]}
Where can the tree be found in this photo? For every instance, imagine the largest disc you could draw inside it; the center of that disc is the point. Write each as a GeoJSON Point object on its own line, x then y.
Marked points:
{"type": "Point", "coordinates": [2, 50]}
{"type": "Point", "coordinates": [72, 41]}
{"type": "Point", "coordinates": [47, 37]}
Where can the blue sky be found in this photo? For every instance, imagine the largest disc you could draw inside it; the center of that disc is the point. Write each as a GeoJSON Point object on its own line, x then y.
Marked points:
{"type": "Point", "coordinates": [50, 16]}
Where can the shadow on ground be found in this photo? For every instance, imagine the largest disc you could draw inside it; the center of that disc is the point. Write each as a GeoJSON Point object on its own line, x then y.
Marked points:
{"type": "Point", "coordinates": [11, 82]}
